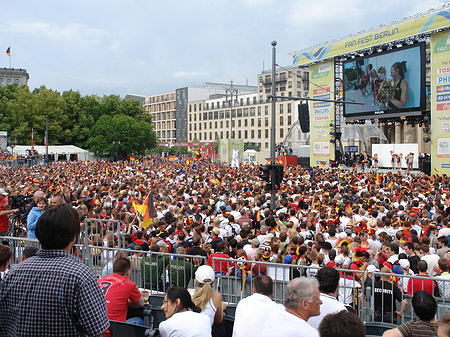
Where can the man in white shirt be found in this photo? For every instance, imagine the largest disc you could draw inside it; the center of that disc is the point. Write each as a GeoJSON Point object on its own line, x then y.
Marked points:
{"type": "Point", "coordinates": [252, 311]}
{"type": "Point", "coordinates": [301, 302]}
{"type": "Point", "coordinates": [329, 291]}
{"type": "Point", "coordinates": [431, 259]}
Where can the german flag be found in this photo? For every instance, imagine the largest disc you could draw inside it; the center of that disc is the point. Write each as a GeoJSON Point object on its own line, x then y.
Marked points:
{"type": "Point", "coordinates": [150, 211]}
{"type": "Point", "coordinates": [132, 158]}
{"type": "Point", "coordinates": [358, 165]}
{"type": "Point", "coordinates": [8, 51]}
{"type": "Point", "coordinates": [435, 171]}
{"type": "Point", "coordinates": [138, 205]}
{"type": "Point", "coordinates": [321, 164]}
{"type": "Point", "coordinates": [217, 180]}
{"type": "Point", "coordinates": [348, 208]}
{"type": "Point", "coordinates": [391, 183]}
{"type": "Point", "coordinates": [172, 157]}
{"type": "Point", "coordinates": [188, 161]}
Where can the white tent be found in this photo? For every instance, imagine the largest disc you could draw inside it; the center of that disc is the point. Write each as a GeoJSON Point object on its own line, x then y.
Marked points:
{"type": "Point", "coordinates": [57, 150]}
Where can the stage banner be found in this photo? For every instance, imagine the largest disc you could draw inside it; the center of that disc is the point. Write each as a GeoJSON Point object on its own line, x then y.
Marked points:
{"type": "Point", "coordinates": [427, 22]}
{"type": "Point", "coordinates": [440, 103]}
{"type": "Point", "coordinates": [321, 114]}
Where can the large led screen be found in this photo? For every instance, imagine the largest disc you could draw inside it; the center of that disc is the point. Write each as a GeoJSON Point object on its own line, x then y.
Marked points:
{"type": "Point", "coordinates": [387, 84]}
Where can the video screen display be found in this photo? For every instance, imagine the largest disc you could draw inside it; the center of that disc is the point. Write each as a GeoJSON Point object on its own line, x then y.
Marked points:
{"type": "Point", "coordinates": [388, 84]}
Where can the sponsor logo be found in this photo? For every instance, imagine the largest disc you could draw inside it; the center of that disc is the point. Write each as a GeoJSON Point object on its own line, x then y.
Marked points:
{"type": "Point", "coordinates": [322, 118]}
{"type": "Point", "coordinates": [445, 124]}
{"type": "Point", "coordinates": [441, 98]}
{"type": "Point", "coordinates": [322, 96]}
{"type": "Point", "coordinates": [444, 130]}
{"type": "Point", "coordinates": [443, 88]}
{"type": "Point", "coordinates": [324, 67]}
{"type": "Point", "coordinates": [445, 165]}
{"type": "Point", "coordinates": [443, 79]}
{"type": "Point", "coordinates": [443, 106]}
{"type": "Point", "coordinates": [321, 111]}
{"type": "Point", "coordinates": [322, 104]}
{"type": "Point", "coordinates": [321, 91]}
{"type": "Point", "coordinates": [443, 70]}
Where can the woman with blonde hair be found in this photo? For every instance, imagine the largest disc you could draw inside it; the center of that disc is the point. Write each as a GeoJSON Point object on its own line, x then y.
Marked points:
{"type": "Point", "coordinates": [205, 298]}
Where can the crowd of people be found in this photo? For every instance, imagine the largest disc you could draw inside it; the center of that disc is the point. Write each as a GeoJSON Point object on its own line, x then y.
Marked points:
{"type": "Point", "coordinates": [330, 219]}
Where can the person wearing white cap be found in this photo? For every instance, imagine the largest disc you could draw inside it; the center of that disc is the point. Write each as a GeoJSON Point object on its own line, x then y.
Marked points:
{"type": "Point", "coordinates": [205, 298]}
{"type": "Point", "coordinates": [4, 212]}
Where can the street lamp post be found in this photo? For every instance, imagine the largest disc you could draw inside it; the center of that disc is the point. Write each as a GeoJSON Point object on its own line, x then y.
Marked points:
{"type": "Point", "coordinates": [116, 145]}
{"type": "Point", "coordinates": [272, 130]}
{"type": "Point", "coordinates": [231, 91]}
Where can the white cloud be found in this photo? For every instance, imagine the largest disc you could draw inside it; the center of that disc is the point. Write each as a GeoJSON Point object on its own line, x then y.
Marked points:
{"type": "Point", "coordinates": [188, 74]}
{"type": "Point", "coordinates": [115, 45]}
{"type": "Point", "coordinates": [68, 32]}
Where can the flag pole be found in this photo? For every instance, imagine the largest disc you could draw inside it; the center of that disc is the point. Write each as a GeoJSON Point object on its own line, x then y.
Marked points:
{"type": "Point", "coordinates": [46, 138]}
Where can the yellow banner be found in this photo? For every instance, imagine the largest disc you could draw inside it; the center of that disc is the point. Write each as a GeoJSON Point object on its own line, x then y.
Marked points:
{"type": "Point", "coordinates": [440, 103]}
{"type": "Point", "coordinates": [321, 114]}
{"type": "Point", "coordinates": [426, 23]}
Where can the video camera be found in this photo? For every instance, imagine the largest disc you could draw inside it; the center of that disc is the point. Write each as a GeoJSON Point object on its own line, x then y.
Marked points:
{"type": "Point", "coordinates": [19, 201]}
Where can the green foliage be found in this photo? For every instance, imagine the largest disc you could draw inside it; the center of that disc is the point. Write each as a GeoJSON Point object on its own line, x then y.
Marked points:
{"type": "Point", "coordinates": [89, 122]}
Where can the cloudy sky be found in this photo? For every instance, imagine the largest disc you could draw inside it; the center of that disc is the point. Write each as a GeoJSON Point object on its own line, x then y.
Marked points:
{"type": "Point", "coordinates": [148, 47]}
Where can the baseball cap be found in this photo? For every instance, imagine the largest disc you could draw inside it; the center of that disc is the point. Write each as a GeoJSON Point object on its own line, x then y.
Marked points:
{"type": "Point", "coordinates": [205, 274]}
{"type": "Point", "coordinates": [3, 192]}
{"type": "Point", "coordinates": [339, 259]}
{"type": "Point", "coordinates": [216, 231]}
{"type": "Point", "coordinates": [255, 242]}
{"type": "Point", "coordinates": [404, 263]}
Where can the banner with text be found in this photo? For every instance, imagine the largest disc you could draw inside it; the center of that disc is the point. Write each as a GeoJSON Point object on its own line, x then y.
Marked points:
{"type": "Point", "coordinates": [321, 114]}
{"type": "Point", "coordinates": [389, 33]}
{"type": "Point", "coordinates": [440, 103]}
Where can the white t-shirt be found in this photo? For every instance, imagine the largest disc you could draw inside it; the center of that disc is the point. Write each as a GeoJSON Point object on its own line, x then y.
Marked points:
{"type": "Point", "coordinates": [330, 305]}
{"type": "Point", "coordinates": [186, 324]}
{"type": "Point", "coordinates": [251, 313]}
{"type": "Point", "coordinates": [444, 232]}
{"type": "Point", "coordinates": [282, 323]}
{"type": "Point", "coordinates": [432, 261]}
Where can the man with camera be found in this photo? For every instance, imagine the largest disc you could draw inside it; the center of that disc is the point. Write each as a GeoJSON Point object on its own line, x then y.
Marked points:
{"type": "Point", "coordinates": [4, 212]}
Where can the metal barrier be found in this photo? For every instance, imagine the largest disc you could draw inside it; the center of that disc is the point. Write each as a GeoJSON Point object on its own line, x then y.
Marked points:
{"type": "Point", "coordinates": [371, 295]}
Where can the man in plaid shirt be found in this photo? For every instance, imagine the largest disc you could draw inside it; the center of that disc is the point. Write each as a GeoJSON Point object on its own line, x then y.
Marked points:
{"type": "Point", "coordinates": [53, 293]}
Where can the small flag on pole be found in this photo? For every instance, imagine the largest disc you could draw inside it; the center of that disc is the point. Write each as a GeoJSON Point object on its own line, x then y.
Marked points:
{"type": "Point", "coordinates": [8, 51]}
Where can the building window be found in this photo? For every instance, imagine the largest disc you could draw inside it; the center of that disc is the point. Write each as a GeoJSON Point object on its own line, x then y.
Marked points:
{"type": "Point", "coordinates": [289, 108]}
{"type": "Point", "coordinates": [252, 122]}
{"type": "Point", "coordinates": [259, 133]}
{"type": "Point", "coordinates": [281, 133]}
{"type": "Point", "coordinates": [239, 124]}
{"type": "Point", "coordinates": [245, 122]}
{"type": "Point", "coordinates": [266, 133]}
{"type": "Point", "coordinates": [266, 110]}
{"type": "Point", "coordinates": [281, 108]}
{"type": "Point", "coordinates": [252, 134]}
{"type": "Point", "coordinates": [245, 134]}
{"type": "Point", "coordinates": [266, 121]}
{"type": "Point", "coordinates": [281, 121]}
{"type": "Point", "coordinates": [259, 111]}
{"type": "Point", "coordinates": [239, 134]}
{"type": "Point", "coordinates": [289, 122]}
{"type": "Point", "coordinates": [266, 145]}
{"type": "Point", "coordinates": [259, 122]}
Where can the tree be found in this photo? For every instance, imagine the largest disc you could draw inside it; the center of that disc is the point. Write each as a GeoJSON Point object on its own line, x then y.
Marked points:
{"type": "Point", "coordinates": [134, 136]}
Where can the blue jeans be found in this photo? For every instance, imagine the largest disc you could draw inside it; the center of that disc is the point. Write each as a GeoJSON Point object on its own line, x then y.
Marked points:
{"type": "Point", "coordinates": [135, 320]}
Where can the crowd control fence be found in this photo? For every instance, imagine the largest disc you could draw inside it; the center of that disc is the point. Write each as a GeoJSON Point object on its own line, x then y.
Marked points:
{"type": "Point", "coordinates": [371, 295]}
